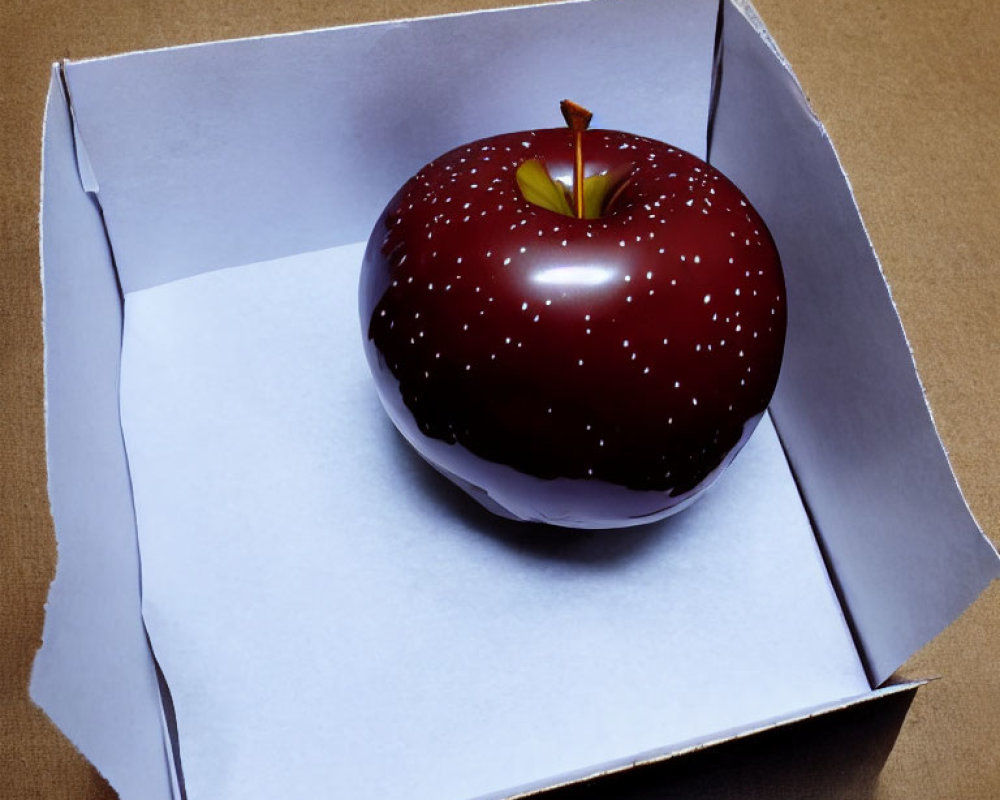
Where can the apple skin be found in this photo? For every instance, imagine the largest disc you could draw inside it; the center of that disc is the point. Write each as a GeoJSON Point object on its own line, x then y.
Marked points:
{"type": "Point", "coordinates": [588, 373]}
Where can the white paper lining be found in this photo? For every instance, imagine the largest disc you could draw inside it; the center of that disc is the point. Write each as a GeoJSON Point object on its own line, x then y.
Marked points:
{"type": "Point", "coordinates": [292, 541]}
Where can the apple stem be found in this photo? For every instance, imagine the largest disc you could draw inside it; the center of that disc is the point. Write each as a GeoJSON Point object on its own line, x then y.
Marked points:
{"type": "Point", "coordinates": [578, 119]}
{"type": "Point", "coordinates": [578, 173]}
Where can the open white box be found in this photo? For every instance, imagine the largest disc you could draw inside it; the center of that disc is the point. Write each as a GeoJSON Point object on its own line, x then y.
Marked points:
{"type": "Point", "coordinates": [327, 617]}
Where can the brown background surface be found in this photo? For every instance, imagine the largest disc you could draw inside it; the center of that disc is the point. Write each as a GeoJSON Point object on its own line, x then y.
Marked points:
{"type": "Point", "coordinates": [910, 93]}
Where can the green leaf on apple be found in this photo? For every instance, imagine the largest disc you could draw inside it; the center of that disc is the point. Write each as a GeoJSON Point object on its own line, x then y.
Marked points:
{"type": "Point", "coordinates": [538, 187]}
{"type": "Point", "coordinates": [541, 189]}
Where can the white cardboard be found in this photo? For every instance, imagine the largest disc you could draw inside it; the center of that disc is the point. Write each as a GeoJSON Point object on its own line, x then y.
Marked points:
{"type": "Point", "coordinates": [906, 553]}
{"type": "Point", "coordinates": [224, 173]}
{"type": "Point", "coordinates": [94, 676]}
{"type": "Point", "coordinates": [260, 148]}
{"type": "Point", "coordinates": [724, 738]}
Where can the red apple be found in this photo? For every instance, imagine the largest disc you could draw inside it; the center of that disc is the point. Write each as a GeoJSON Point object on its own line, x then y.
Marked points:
{"type": "Point", "coordinates": [587, 370]}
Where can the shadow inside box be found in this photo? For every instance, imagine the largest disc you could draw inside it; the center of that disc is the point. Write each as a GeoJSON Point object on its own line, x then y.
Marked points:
{"type": "Point", "coordinates": [836, 756]}
{"type": "Point", "coordinates": [592, 549]}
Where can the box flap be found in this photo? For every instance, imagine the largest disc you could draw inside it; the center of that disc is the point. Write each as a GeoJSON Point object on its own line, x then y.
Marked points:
{"type": "Point", "coordinates": [192, 131]}
{"type": "Point", "coordinates": [94, 674]}
{"type": "Point", "coordinates": [903, 548]}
